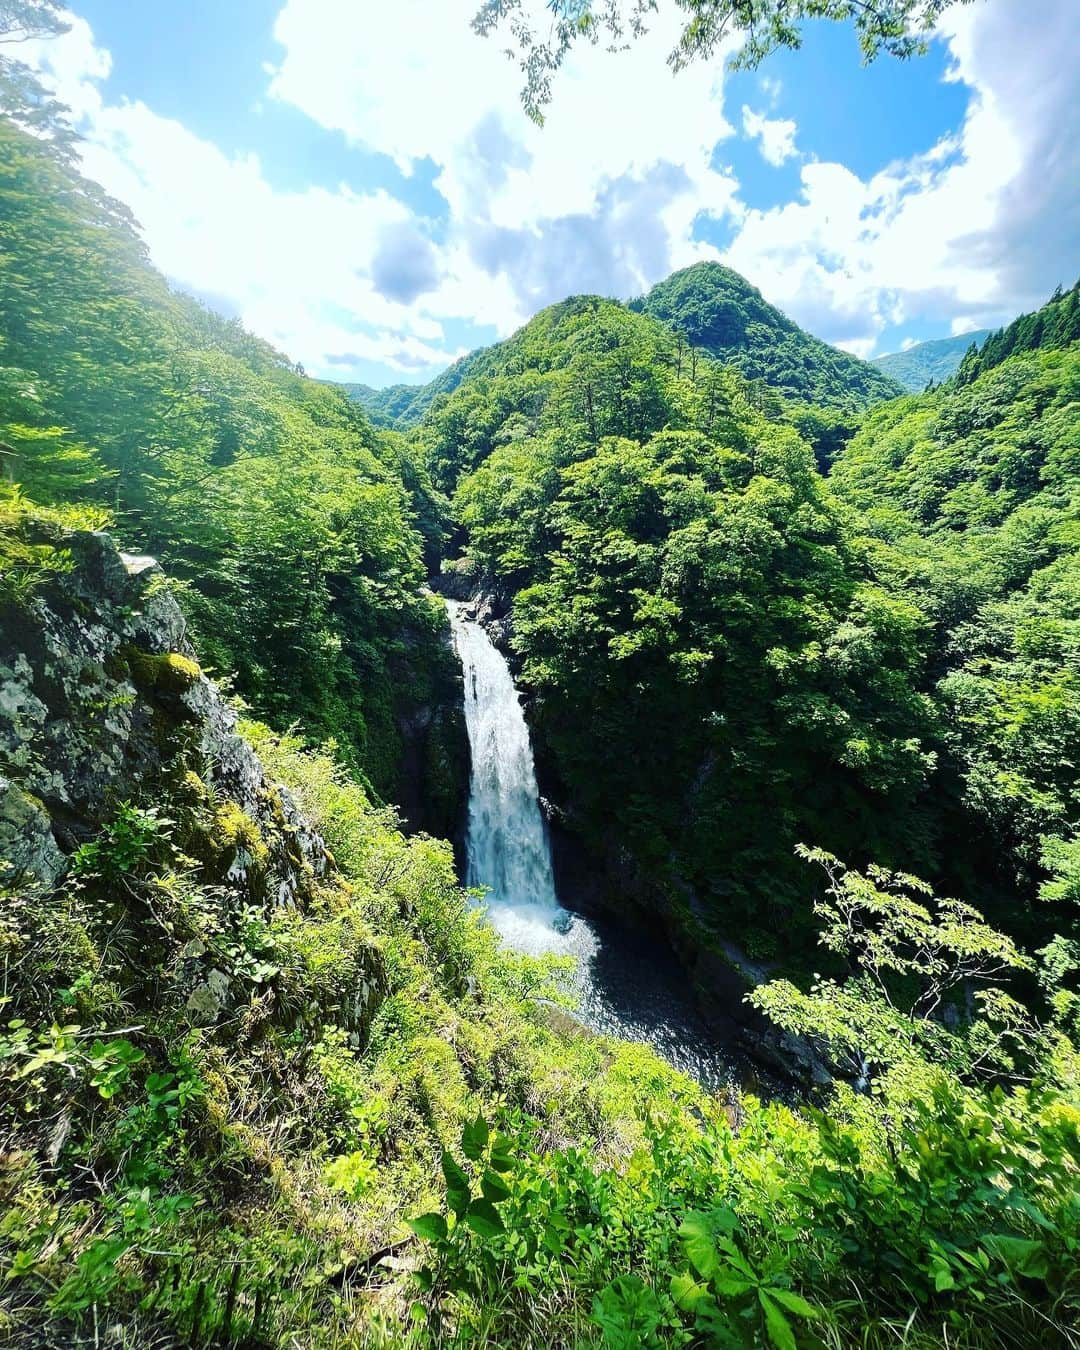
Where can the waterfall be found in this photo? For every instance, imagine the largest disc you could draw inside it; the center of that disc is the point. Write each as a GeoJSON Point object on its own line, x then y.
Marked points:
{"type": "Point", "coordinates": [622, 985]}
{"type": "Point", "coordinates": [507, 845]}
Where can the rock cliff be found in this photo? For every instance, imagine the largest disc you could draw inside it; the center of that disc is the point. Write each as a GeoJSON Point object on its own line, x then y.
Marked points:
{"type": "Point", "coordinates": [104, 707]}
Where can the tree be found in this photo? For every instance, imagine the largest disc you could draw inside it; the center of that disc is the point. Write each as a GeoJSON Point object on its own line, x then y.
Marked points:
{"type": "Point", "coordinates": [912, 997]}
{"type": "Point", "coordinates": [898, 27]}
{"type": "Point", "coordinates": [24, 20]}
{"type": "Point", "coordinates": [23, 98]}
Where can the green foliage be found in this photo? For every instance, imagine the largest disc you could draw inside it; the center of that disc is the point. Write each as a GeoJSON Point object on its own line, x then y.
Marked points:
{"type": "Point", "coordinates": [791, 1230]}
{"type": "Point", "coordinates": [1056, 325]}
{"type": "Point", "coordinates": [723, 1275]}
{"type": "Point", "coordinates": [932, 1201]}
{"type": "Point", "coordinates": [579, 371]}
{"type": "Point", "coordinates": [132, 841]}
{"type": "Point", "coordinates": [898, 27]}
{"type": "Point", "coordinates": [686, 598]}
{"type": "Point", "coordinates": [252, 1149]}
{"type": "Point", "coordinates": [31, 548]}
{"type": "Point", "coordinates": [401, 406]}
{"type": "Point", "coordinates": [715, 309]}
{"type": "Point", "coordinates": [970, 495]}
{"type": "Point", "coordinates": [911, 997]}
{"type": "Point", "coordinates": [286, 523]}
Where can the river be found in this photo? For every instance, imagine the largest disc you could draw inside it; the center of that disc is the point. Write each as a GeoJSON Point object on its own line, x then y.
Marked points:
{"type": "Point", "coordinates": [625, 984]}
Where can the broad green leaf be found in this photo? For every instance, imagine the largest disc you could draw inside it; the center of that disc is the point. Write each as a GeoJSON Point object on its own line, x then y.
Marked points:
{"type": "Point", "coordinates": [502, 1158]}
{"type": "Point", "coordinates": [793, 1302]}
{"type": "Point", "coordinates": [687, 1292]}
{"type": "Point", "coordinates": [430, 1227]}
{"type": "Point", "coordinates": [1023, 1255]}
{"type": "Point", "coordinates": [474, 1138]}
{"type": "Point", "coordinates": [943, 1276]}
{"type": "Point", "coordinates": [494, 1188]}
{"type": "Point", "coordinates": [483, 1218]}
{"type": "Point", "coordinates": [457, 1185]}
{"type": "Point", "coordinates": [697, 1238]}
{"type": "Point", "coordinates": [727, 1282]}
{"type": "Point", "coordinates": [776, 1324]}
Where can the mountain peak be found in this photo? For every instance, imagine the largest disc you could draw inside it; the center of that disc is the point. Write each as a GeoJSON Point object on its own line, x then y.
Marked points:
{"type": "Point", "coordinates": [716, 308]}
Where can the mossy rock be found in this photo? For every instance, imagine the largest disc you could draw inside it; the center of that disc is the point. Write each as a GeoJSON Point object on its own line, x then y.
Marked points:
{"type": "Point", "coordinates": [165, 672]}
{"type": "Point", "coordinates": [236, 836]}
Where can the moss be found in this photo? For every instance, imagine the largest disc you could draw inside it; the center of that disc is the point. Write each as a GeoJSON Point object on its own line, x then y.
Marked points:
{"type": "Point", "coordinates": [166, 672]}
{"type": "Point", "coordinates": [193, 789]}
{"type": "Point", "coordinates": [236, 834]}
{"type": "Point", "coordinates": [29, 555]}
{"type": "Point", "coordinates": [116, 666]}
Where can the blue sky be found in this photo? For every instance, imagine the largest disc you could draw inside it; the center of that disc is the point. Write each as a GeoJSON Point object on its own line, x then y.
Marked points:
{"type": "Point", "coordinates": [358, 182]}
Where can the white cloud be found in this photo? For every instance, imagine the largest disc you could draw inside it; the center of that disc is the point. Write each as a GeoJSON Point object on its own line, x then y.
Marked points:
{"type": "Point", "coordinates": [776, 135]}
{"type": "Point", "coordinates": [603, 198]}
{"type": "Point", "coordinates": [298, 267]}
{"type": "Point", "coordinates": [977, 228]}
{"type": "Point", "coordinates": [771, 88]}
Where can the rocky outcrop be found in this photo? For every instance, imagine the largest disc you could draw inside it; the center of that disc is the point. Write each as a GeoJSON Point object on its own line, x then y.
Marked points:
{"type": "Point", "coordinates": [101, 700]}
{"type": "Point", "coordinates": [104, 710]}
{"type": "Point", "coordinates": [432, 787]}
{"type": "Point", "coordinates": [487, 603]}
{"type": "Point", "coordinates": [459, 579]}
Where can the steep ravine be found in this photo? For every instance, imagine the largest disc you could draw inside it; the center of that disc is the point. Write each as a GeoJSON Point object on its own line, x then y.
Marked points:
{"type": "Point", "coordinates": [627, 980]}
{"type": "Point", "coordinates": [641, 976]}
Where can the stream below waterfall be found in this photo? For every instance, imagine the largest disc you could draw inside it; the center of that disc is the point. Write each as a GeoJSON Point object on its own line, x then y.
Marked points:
{"type": "Point", "coordinates": [626, 984]}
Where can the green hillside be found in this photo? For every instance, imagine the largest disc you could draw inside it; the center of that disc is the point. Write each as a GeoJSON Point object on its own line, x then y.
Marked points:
{"type": "Point", "coordinates": [716, 309]}
{"type": "Point", "coordinates": [288, 524]}
{"type": "Point", "coordinates": [933, 361]}
{"type": "Point", "coordinates": [403, 405]}
{"type": "Point", "coordinates": [1056, 324]}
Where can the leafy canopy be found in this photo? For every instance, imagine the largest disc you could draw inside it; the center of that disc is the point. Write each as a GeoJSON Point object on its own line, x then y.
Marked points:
{"type": "Point", "coordinates": [753, 29]}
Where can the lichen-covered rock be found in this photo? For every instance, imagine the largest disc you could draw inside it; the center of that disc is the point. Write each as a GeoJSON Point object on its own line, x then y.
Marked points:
{"type": "Point", "coordinates": [27, 845]}
{"type": "Point", "coordinates": [107, 722]}
{"type": "Point", "coordinates": [102, 700]}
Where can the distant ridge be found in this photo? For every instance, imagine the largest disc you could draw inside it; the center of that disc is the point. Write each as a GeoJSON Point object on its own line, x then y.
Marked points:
{"type": "Point", "coordinates": [934, 360]}
{"type": "Point", "coordinates": [403, 405]}
{"type": "Point", "coordinates": [714, 308]}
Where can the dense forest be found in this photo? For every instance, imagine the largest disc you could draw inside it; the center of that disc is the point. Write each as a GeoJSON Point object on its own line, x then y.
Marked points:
{"type": "Point", "coordinates": [718, 311]}
{"type": "Point", "coordinates": [298, 535]}
{"type": "Point", "coordinates": [801, 659]}
{"type": "Point", "coordinates": [403, 405]}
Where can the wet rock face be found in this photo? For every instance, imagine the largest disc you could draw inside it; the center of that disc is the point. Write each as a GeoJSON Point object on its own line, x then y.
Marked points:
{"type": "Point", "coordinates": [101, 700]}
{"type": "Point", "coordinates": [458, 580]}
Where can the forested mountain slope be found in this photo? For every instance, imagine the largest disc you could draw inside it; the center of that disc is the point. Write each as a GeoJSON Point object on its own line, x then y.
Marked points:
{"type": "Point", "coordinates": [402, 405]}
{"type": "Point", "coordinates": [266, 1078]}
{"type": "Point", "coordinates": [237, 997]}
{"type": "Point", "coordinates": [290, 525]}
{"type": "Point", "coordinates": [975, 491]}
{"type": "Point", "coordinates": [381, 405]}
{"type": "Point", "coordinates": [1057, 324]}
{"type": "Point", "coordinates": [927, 362]}
{"type": "Point", "coordinates": [716, 309]}
{"type": "Point", "coordinates": [728, 653]}
{"type": "Point", "coordinates": [687, 594]}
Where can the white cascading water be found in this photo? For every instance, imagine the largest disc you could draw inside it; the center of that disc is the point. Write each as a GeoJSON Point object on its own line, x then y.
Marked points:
{"type": "Point", "coordinates": [507, 845]}
{"type": "Point", "coordinates": [624, 986]}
